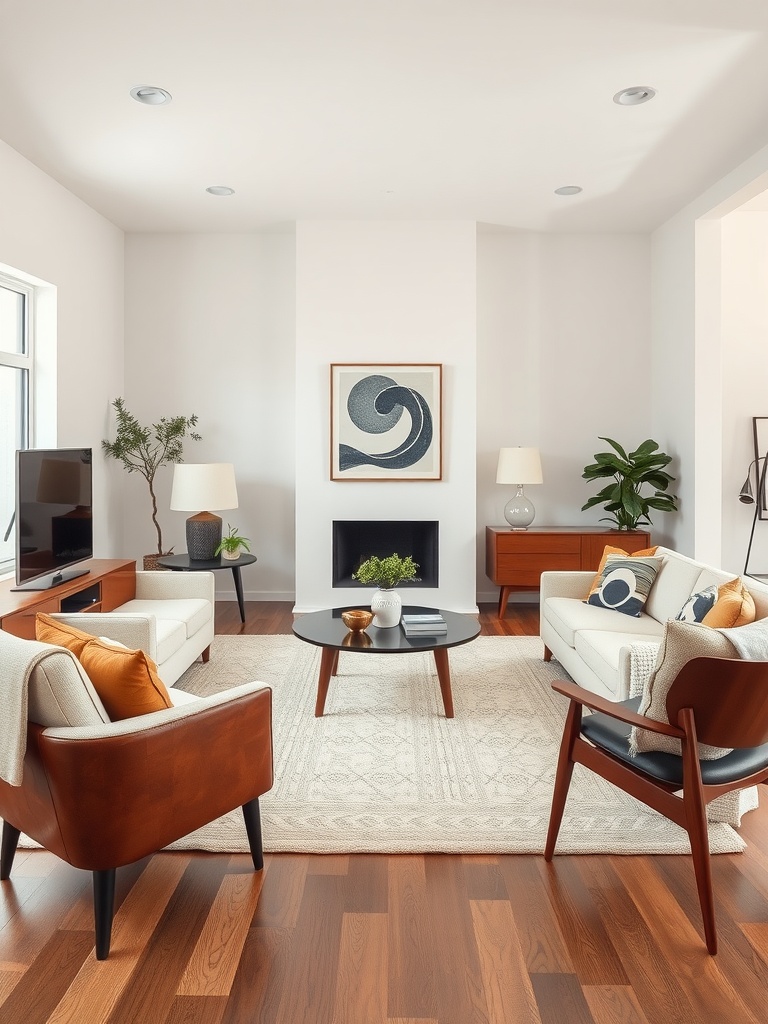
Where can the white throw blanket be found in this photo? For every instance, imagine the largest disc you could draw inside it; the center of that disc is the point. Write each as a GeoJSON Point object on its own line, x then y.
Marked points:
{"type": "Point", "coordinates": [750, 641]}
{"type": "Point", "coordinates": [18, 659]}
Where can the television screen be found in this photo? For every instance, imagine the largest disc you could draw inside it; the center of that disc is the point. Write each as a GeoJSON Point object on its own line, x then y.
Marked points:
{"type": "Point", "coordinates": [53, 515]}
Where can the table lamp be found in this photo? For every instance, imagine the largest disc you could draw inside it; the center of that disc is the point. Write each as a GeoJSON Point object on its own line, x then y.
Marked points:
{"type": "Point", "coordinates": [203, 485]}
{"type": "Point", "coordinates": [519, 466]}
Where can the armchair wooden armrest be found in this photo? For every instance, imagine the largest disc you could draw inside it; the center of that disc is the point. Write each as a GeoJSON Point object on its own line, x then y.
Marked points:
{"type": "Point", "coordinates": [587, 698]}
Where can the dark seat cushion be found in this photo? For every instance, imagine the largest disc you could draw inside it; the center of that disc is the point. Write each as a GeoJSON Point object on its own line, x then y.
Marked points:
{"type": "Point", "coordinates": [613, 736]}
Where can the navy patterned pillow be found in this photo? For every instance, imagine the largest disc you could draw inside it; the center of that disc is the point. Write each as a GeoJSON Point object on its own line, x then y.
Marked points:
{"type": "Point", "coordinates": [697, 605]}
{"type": "Point", "coordinates": [625, 583]}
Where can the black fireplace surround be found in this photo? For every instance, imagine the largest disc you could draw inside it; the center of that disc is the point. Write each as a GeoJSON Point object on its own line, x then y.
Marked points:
{"type": "Point", "coordinates": [354, 540]}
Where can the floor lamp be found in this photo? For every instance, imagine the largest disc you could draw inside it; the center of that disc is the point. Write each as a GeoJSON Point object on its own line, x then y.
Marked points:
{"type": "Point", "coordinates": [748, 498]}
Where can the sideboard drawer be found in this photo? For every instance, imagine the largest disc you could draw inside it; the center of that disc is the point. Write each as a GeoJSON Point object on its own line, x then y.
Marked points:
{"type": "Point", "coordinates": [529, 563]}
{"type": "Point", "coordinates": [519, 543]}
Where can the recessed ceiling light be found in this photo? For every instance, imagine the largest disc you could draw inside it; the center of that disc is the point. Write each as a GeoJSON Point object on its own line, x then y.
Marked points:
{"type": "Point", "coordinates": [568, 190]}
{"type": "Point", "coordinates": [220, 190]}
{"type": "Point", "coordinates": [151, 95]}
{"type": "Point", "coordinates": [637, 94]}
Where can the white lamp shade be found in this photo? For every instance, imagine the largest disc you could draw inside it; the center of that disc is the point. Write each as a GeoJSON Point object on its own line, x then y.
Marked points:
{"type": "Point", "coordinates": [519, 466]}
{"type": "Point", "coordinates": [203, 486]}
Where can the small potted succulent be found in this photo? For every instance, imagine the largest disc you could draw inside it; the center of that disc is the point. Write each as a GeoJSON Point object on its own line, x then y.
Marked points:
{"type": "Point", "coordinates": [386, 573]}
{"type": "Point", "coordinates": [231, 543]}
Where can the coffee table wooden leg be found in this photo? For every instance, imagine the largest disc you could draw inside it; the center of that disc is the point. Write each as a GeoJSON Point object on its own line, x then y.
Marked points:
{"type": "Point", "coordinates": [328, 661]}
{"type": "Point", "coordinates": [444, 675]}
{"type": "Point", "coordinates": [335, 666]}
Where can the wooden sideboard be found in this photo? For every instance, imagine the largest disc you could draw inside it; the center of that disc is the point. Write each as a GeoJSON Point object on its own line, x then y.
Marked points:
{"type": "Point", "coordinates": [108, 584]}
{"type": "Point", "coordinates": [515, 559]}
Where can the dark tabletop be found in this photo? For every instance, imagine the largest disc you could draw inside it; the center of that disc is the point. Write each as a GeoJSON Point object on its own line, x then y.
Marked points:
{"type": "Point", "coordinates": [186, 564]}
{"type": "Point", "coordinates": [326, 629]}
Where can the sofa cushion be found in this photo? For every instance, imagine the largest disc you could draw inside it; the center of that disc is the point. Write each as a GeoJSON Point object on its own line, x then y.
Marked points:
{"type": "Point", "coordinates": [194, 612]}
{"type": "Point", "coordinates": [625, 583]}
{"type": "Point", "coordinates": [676, 580]}
{"type": "Point", "coordinates": [600, 649]}
{"type": "Point", "coordinates": [682, 641]}
{"type": "Point", "coordinates": [126, 681]}
{"type": "Point", "coordinates": [734, 607]}
{"type": "Point", "coordinates": [566, 615]}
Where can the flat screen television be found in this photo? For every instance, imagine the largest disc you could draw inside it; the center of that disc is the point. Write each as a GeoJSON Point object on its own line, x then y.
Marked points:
{"type": "Point", "coordinates": [54, 528]}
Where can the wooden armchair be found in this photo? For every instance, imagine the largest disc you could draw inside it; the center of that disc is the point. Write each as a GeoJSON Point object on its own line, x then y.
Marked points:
{"type": "Point", "coordinates": [104, 794]}
{"type": "Point", "coordinates": [722, 702]}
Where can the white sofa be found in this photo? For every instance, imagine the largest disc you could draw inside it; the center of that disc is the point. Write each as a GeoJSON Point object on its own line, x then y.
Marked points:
{"type": "Point", "coordinates": [593, 644]}
{"type": "Point", "coordinates": [171, 619]}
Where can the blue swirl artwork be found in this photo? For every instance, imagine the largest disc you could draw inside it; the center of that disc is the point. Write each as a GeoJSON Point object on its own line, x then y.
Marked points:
{"type": "Point", "coordinates": [375, 405]}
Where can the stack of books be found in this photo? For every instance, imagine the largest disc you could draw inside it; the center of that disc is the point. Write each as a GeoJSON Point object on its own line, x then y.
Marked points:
{"type": "Point", "coordinates": [430, 624]}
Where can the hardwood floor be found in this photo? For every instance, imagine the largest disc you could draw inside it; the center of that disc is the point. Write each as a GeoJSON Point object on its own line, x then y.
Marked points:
{"type": "Point", "coordinates": [372, 939]}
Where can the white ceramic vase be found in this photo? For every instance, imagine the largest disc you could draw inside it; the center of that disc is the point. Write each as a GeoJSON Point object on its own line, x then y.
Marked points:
{"type": "Point", "coordinates": [386, 607]}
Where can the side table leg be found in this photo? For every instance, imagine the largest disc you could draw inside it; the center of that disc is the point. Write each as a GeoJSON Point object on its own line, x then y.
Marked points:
{"type": "Point", "coordinates": [327, 662]}
{"type": "Point", "coordinates": [503, 598]}
{"type": "Point", "coordinates": [444, 675]}
{"type": "Point", "coordinates": [239, 590]}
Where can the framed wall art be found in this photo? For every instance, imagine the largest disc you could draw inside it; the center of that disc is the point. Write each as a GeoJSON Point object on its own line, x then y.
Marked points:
{"type": "Point", "coordinates": [386, 421]}
{"type": "Point", "coordinates": [760, 432]}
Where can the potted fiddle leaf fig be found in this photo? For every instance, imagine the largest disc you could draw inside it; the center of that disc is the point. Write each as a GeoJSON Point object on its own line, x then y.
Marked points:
{"type": "Point", "coordinates": [629, 473]}
{"type": "Point", "coordinates": [144, 450]}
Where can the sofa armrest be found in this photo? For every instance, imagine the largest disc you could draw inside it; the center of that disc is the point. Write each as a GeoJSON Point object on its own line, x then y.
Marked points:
{"type": "Point", "coordinates": [160, 586]}
{"type": "Point", "coordinates": [565, 584]}
{"type": "Point", "coordinates": [137, 631]}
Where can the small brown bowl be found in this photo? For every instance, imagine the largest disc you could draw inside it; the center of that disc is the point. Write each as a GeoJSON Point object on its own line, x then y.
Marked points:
{"type": "Point", "coordinates": [357, 619]}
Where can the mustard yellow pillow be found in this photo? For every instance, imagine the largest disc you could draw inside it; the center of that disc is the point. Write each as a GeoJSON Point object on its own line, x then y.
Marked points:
{"type": "Point", "coordinates": [126, 681]}
{"type": "Point", "coordinates": [734, 606]}
{"type": "Point", "coordinates": [609, 550]}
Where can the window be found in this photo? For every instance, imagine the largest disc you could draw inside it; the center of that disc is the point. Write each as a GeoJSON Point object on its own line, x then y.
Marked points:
{"type": "Point", "coordinates": [15, 399]}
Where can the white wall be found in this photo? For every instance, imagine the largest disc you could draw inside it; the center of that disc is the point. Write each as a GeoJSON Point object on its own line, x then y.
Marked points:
{"type": "Point", "coordinates": [49, 234]}
{"type": "Point", "coordinates": [563, 338]}
{"type": "Point", "coordinates": [209, 331]}
{"type": "Point", "coordinates": [687, 356]}
{"type": "Point", "coordinates": [744, 377]}
{"type": "Point", "coordinates": [393, 292]}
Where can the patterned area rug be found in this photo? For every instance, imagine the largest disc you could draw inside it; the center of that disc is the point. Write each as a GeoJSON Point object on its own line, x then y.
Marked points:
{"type": "Point", "coordinates": [385, 771]}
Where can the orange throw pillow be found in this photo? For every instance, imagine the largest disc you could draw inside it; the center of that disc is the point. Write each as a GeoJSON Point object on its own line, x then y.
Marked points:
{"type": "Point", "coordinates": [734, 606]}
{"type": "Point", "coordinates": [608, 550]}
{"type": "Point", "coordinates": [126, 681]}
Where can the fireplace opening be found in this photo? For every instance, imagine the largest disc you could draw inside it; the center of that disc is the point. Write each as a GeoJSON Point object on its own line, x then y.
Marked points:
{"type": "Point", "coordinates": [355, 540]}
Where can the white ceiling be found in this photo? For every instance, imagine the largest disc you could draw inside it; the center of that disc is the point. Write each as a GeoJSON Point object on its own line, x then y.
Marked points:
{"type": "Point", "coordinates": [473, 109]}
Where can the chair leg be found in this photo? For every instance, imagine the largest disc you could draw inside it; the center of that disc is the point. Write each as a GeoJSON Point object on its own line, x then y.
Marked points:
{"type": "Point", "coordinates": [103, 909]}
{"type": "Point", "coordinates": [563, 778]}
{"type": "Point", "coordinates": [252, 816]}
{"type": "Point", "coordinates": [696, 819]}
{"type": "Point", "coordinates": [8, 849]}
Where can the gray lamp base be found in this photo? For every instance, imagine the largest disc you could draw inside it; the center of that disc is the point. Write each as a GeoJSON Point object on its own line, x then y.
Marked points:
{"type": "Point", "coordinates": [203, 536]}
{"type": "Point", "coordinates": [519, 511]}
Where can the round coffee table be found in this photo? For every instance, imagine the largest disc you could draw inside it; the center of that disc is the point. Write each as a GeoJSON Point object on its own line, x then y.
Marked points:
{"type": "Point", "coordinates": [325, 629]}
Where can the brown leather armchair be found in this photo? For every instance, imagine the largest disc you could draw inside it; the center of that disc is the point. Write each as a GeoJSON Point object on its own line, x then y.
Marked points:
{"type": "Point", "coordinates": [102, 796]}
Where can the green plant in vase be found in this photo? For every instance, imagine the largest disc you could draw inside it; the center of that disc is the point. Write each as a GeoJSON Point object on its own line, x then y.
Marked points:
{"type": "Point", "coordinates": [629, 474]}
{"type": "Point", "coordinates": [386, 573]}
{"type": "Point", "coordinates": [231, 543]}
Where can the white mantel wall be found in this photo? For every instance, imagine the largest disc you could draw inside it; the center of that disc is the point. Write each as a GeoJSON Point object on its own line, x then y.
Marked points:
{"type": "Point", "coordinates": [395, 292]}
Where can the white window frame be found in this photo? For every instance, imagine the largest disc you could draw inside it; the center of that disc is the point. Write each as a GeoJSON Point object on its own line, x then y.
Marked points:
{"type": "Point", "coordinates": [24, 360]}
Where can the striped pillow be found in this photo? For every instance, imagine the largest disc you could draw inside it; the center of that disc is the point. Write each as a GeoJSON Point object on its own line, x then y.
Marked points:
{"type": "Point", "coordinates": [625, 583]}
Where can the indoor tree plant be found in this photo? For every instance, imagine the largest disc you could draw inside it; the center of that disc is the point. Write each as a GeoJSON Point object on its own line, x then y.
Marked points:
{"type": "Point", "coordinates": [629, 473]}
{"type": "Point", "coordinates": [145, 449]}
{"type": "Point", "coordinates": [231, 543]}
{"type": "Point", "coordinates": [386, 573]}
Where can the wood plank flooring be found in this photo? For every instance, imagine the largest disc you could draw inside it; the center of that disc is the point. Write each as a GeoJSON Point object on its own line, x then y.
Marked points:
{"type": "Point", "coordinates": [372, 939]}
